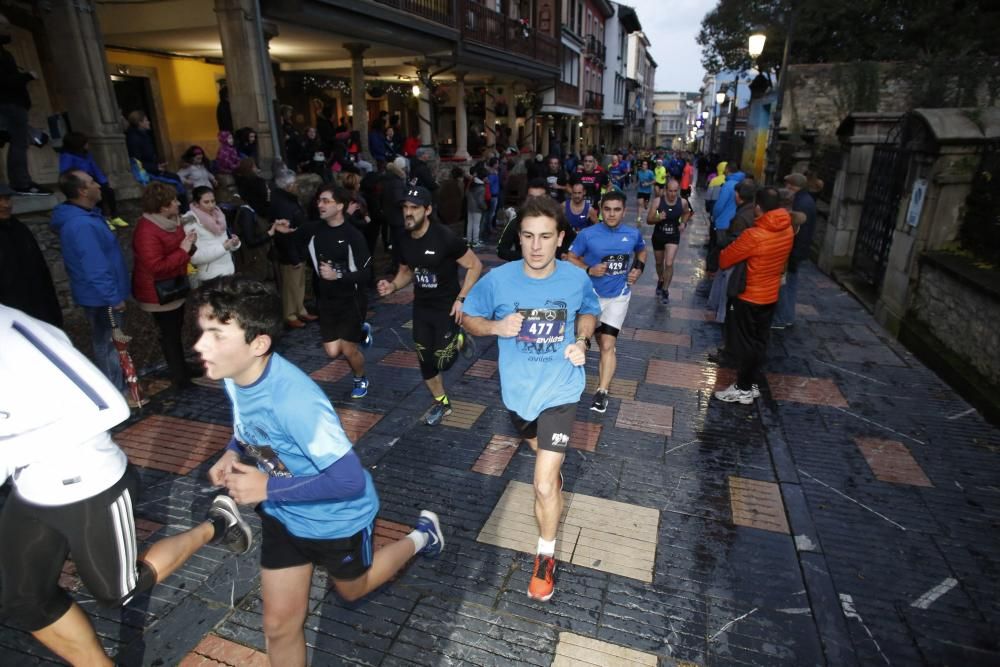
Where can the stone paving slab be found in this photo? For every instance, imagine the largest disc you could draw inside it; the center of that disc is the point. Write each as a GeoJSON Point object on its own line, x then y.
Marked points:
{"type": "Point", "coordinates": [886, 481]}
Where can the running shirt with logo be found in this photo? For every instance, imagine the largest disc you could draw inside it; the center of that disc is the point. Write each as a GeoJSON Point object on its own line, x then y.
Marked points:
{"type": "Point", "coordinates": [615, 247]}
{"type": "Point", "coordinates": [344, 248]}
{"type": "Point", "coordinates": [578, 220]}
{"type": "Point", "coordinates": [646, 178]}
{"type": "Point", "coordinates": [534, 373]}
{"type": "Point", "coordinates": [557, 186]}
{"type": "Point", "coordinates": [286, 425]}
{"type": "Point", "coordinates": [594, 183]}
{"type": "Point", "coordinates": [434, 261]}
{"type": "Point", "coordinates": [670, 224]}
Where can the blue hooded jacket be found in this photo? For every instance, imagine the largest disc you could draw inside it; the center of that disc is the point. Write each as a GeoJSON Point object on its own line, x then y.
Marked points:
{"type": "Point", "coordinates": [93, 258]}
{"type": "Point", "coordinates": [725, 207]}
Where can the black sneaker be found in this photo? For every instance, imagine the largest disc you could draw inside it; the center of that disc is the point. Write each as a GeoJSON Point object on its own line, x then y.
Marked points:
{"type": "Point", "coordinates": [438, 411]}
{"type": "Point", "coordinates": [238, 537]}
{"type": "Point", "coordinates": [659, 289]}
{"type": "Point", "coordinates": [600, 403]}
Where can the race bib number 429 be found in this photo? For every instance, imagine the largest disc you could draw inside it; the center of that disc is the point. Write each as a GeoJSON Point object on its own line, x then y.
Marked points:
{"type": "Point", "coordinates": [617, 264]}
{"type": "Point", "coordinates": [542, 326]}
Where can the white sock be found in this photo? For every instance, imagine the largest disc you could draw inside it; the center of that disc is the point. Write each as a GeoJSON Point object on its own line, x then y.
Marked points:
{"type": "Point", "coordinates": [419, 539]}
{"type": "Point", "coordinates": [546, 547]}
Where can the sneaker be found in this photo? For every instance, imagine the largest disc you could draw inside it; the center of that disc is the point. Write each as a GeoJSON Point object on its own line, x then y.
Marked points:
{"type": "Point", "coordinates": [369, 336]}
{"type": "Point", "coordinates": [117, 222]}
{"type": "Point", "coordinates": [755, 390]}
{"type": "Point", "coordinates": [600, 403]}
{"type": "Point", "coordinates": [238, 537]}
{"type": "Point", "coordinates": [733, 395]}
{"type": "Point", "coordinates": [360, 387]}
{"type": "Point", "coordinates": [466, 345]}
{"type": "Point", "coordinates": [543, 578]}
{"type": "Point", "coordinates": [438, 411]}
{"type": "Point", "coordinates": [659, 289]}
{"type": "Point", "coordinates": [428, 523]}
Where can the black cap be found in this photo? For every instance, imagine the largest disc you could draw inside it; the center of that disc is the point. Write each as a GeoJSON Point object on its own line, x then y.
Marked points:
{"type": "Point", "coordinates": [417, 195]}
{"type": "Point", "coordinates": [5, 190]}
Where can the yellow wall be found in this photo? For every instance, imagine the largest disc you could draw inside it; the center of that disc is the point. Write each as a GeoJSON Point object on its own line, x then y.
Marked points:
{"type": "Point", "coordinates": [188, 91]}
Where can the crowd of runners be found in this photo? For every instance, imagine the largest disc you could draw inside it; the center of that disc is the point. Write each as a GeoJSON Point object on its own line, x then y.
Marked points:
{"type": "Point", "coordinates": [573, 259]}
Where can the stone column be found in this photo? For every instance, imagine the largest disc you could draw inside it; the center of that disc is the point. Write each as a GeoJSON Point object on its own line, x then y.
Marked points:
{"type": "Point", "coordinates": [461, 119]}
{"type": "Point", "coordinates": [248, 74]}
{"type": "Point", "coordinates": [512, 117]}
{"type": "Point", "coordinates": [546, 125]}
{"type": "Point", "coordinates": [84, 88]}
{"type": "Point", "coordinates": [359, 119]}
{"type": "Point", "coordinates": [490, 117]}
{"type": "Point", "coordinates": [424, 113]}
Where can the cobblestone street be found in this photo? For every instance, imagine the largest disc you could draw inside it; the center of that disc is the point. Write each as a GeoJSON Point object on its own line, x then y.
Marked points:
{"type": "Point", "coordinates": [850, 516]}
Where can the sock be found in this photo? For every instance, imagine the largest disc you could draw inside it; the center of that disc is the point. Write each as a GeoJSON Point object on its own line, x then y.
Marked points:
{"type": "Point", "coordinates": [546, 547]}
{"type": "Point", "coordinates": [220, 527]}
{"type": "Point", "coordinates": [419, 539]}
{"type": "Point", "coordinates": [443, 398]}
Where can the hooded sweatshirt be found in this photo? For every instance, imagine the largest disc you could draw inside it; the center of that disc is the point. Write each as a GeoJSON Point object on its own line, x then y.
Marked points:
{"type": "Point", "coordinates": [765, 247]}
{"type": "Point", "coordinates": [725, 207]}
{"type": "Point", "coordinates": [93, 258]}
{"type": "Point", "coordinates": [227, 158]}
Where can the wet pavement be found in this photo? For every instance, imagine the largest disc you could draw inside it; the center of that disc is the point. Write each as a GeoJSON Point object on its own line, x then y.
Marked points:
{"type": "Point", "coordinates": [849, 517]}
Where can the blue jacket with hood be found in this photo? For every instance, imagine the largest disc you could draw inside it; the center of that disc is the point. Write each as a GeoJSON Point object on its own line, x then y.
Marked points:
{"type": "Point", "coordinates": [725, 208]}
{"type": "Point", "coordinates": [93, 258]}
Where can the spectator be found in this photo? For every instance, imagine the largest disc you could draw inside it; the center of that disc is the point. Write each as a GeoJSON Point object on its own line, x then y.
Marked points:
{"type": "Point", "coordinates": [391, 147]}
{"type": "Point", "coordinates": [162, 251]}
{"type": "Point", "coordinates": [14, 104]}
{"type": "Point", "coordinates": [376, 142]}
{"type": "Point", "coordinates": [142, 148]}
{"type": "Point", "coordinates": [252, 223]}
{"type": "Point", "coordinates": [476, 206]}
{"type": "Point", "coordinates": [251, 187]}
{"type": "Point", "coordinates": [214, 246]}
{"type": "Point", "coordinates": [194, 173]}
{"type": "Point", "coordinates": [746, 193]}
{"type": "Point", "coordinates": [451, 199]}
{"type": "Point", "coordinates": [227, 159]}
{"type": "Point", "coordinates": [290, 250]}
{"type": "Point", "coordinates": [393, 188]}
{"type": "Point", "coordinates": [803, 203]}
{"type": "Point", "coordinates": [246, 143]}
{"type": "Point", "coordinates": [325, 129]}
{"type": "Point", "coordinates": [420, 171]}
{"type": "Point", "coordinates": [765, 248]}
{"type": "Point", "coordinates": [95, 266]}
{"type": "Point", "coordinates": [307, 154]}
{"type": "Point", "coordinates": [493, 183]}
{"type": "Point", "coordinates": [25, 280]}
{"type": "Point", "coordinates": [76, 155]}
{"type": "Point", "coordinates": [223, 113]}
{"type": "Point", "coordinates": [412, 144]}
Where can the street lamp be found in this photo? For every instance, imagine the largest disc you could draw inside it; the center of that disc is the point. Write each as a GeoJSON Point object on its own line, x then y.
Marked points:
{"type": "Point", "coordinates": [720, 98]}
{"type": "Point", "coordinates": [705, 114]}
{"type": "Point", "coordinates": [755, 44]}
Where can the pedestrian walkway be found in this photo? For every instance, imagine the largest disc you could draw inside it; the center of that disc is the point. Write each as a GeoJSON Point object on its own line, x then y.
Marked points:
{"type": "Point", "coordinates": [850, 516]}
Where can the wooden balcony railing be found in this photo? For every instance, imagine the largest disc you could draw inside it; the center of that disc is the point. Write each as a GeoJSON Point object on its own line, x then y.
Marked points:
{"type": "Point", "coordinates": [485, 26]}
{"type": "Point", "coordinates": [567, 93]}
{"type": "Point", "coordinates": [439, 11]}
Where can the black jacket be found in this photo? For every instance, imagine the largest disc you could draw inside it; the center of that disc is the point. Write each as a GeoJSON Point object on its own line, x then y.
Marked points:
{"type": "Point", "coordinates": [420, 174]}
{"type": "Point", "coordinates": [288, 248]}
{"type": "Point", "coordinates": [13, 81]}
{"type": "Point", "coordinates": [141, 147]}
{"type": "Point", "coordinates": [25, 280]}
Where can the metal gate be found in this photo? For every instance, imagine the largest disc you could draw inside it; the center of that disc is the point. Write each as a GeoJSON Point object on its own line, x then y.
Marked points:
{"type": "Point", "coordinates": [886, 181]}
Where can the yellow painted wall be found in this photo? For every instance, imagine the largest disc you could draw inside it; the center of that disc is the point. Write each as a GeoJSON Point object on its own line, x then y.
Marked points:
{"type": "Point", "coordinates": [189, 94]}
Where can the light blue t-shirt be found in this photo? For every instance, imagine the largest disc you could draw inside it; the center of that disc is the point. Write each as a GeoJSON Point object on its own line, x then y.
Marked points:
{"type": "Point", "coordinates": [646, 178]}
{"type": "Point", "coordinates": [286, 424]}
{"type": "Point", "coordinates": [534, 373]}
{"type": "Point", "coordinates": [600, 243]}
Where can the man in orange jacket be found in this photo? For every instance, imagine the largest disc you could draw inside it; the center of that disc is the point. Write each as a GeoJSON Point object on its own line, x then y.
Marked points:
{"type": "Point", "coordinates": [765, 248]}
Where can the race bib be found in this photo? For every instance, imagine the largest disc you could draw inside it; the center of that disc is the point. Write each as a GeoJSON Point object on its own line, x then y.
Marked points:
{"type": "Point", "coordinates": [617, 264]}
{"type": "Point", "coordinates": [542, 326]}
{"type": "Point", "coordinates": [425, 279]}
{"type": "Point", "coordinates": [266, 459]}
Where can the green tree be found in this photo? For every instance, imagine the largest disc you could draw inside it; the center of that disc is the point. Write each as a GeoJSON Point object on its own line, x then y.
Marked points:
{"type": "Point", "coordinates": [850, 30]}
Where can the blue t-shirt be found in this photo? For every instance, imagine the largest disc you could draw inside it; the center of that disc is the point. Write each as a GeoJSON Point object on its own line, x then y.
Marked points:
{"type": "Point", "coordinates": [600, 243]}
{"type": "Point", "coordinates": [534, 373]}
{"type": "Point", "coordinates": [286, 424]}
{"type": "Point", "coordinates": [646, 178]}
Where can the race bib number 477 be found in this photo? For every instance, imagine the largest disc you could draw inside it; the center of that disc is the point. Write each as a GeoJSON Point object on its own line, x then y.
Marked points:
{"type": "Point", "coordinates": [542, 326]}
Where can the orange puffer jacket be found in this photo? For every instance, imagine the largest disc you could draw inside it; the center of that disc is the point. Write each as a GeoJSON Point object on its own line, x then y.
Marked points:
{"type": "Point", "coordinates": [766, 247]}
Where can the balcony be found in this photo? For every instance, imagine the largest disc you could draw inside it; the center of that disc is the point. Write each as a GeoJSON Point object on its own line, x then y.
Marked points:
{"type": "Point", "coordinates": [438, 11]}
{"type": "Point", "coordinates": [593, 101]}
{"type": "Point", "coordinates": [485, 26]}
{"type": "Point", "coordinates": [567, 94]}
{"type": "Point", "coordinates": [595, 49]}
{"type": "Point", "coordinates": [630, 116]}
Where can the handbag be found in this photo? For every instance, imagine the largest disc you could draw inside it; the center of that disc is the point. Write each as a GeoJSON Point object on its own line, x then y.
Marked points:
{"type": "Point", "coordinates": [172, 289]}
{"type": "Point", "coordinates": [737, 280]}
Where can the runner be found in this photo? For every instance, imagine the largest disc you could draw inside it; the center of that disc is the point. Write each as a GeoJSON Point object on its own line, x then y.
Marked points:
{"type": "Point", "coordinates": [341, 258]}
{"type": "Point", "coordinates": [605, 252]}
{"type": "Point", "coordinates": [594, 179]}
{"type": "Point", "coordinates": [660, 177]}
{"type": "Point", "coordinates": [578, 209]}
{"type": "Point", "coordinates": [317, 503]}
{"type": "Point", "coordinates": [73, 493]}
{"type": "Point", "coordinates": [644, 190]}
{"type": "Point", "coordinates": [669, 215]}
{"type": "Point", "coordinates": [532, 306]}
{"type": "Point", "coordinates": [509, 244]}
{"type": "Point", "coordinates": [430, 254]}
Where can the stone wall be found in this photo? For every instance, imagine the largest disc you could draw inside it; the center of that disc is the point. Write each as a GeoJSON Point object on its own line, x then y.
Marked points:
{"type": "Point", "coordinates": [819, 96]}
{"type": "Point", "coordinates": [961, 311]}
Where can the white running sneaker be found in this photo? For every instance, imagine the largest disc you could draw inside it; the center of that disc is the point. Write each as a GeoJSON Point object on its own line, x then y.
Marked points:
{"type": "Point", "coordinates": [733, 395]}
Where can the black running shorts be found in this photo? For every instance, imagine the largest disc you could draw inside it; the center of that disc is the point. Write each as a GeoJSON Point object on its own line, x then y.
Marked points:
{"type": "Point", "coordinates": [661, 241]}
{"type": "Point", "coordinates": [341, 318]}
{"type": "Point", "coordinates": [435, 335]}
{"type": "Point", "coordinates": [643, 196]}
{"type": "Point", "coordinates": [552, 427]}
{"type": "Point", "coordinates": [344, 558]}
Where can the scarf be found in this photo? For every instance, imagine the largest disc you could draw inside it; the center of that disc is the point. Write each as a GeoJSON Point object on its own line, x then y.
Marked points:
{"type": "Point", "coordinates": [215, 222]}
{"type": "Point", "coordinates": [168, 225]}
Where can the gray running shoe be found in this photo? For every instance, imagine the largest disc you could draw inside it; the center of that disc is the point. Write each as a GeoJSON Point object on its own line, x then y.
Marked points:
{"type": "Point", "coordinates": [238, 537]}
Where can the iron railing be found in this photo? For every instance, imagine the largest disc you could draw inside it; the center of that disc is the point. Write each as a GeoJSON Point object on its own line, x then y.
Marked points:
{"type": "Point", "coordinates": [593, 101]}
{"type": "Point", "coordinates": [439, 11]}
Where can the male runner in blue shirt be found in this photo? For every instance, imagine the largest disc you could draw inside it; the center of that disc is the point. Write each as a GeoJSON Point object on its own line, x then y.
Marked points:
{"type": "Point", "coordinates": [605, 252]}
{"type": "Point", "coordinates": [543, 311]}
